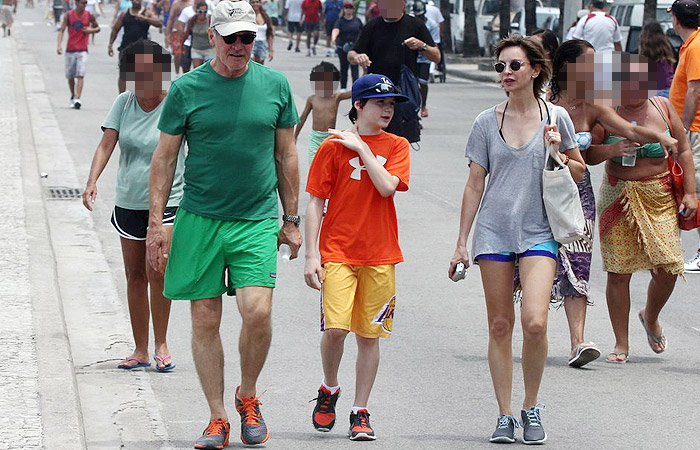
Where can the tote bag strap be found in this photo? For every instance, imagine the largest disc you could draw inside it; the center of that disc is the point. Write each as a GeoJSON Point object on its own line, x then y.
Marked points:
{"type": "Point", "coordinates": [551, 151]}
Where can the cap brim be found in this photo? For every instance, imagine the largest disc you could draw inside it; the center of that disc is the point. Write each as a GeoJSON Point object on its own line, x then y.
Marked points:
{"type": "Point", "coordinates": [400, 98]}
{"type": "Point", "coordinates": [226, 29]}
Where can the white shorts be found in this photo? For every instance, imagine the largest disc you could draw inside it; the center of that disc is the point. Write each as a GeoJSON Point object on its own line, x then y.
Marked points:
{"type": "Point", "coordinates": [205, 55]}
{"type": "Point", "coordinates": [75, 64]}
{"type": "Point", "coordinates": [5, 15]}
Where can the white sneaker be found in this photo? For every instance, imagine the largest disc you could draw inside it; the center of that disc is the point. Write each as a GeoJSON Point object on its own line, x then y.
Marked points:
{"type": "Point", "coordinates": [693, 265]}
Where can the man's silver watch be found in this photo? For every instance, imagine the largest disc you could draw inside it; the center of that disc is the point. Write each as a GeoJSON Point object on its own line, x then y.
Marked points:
{"type": "Point", "coordinates": [424, 47]}
{"type": "Point", "coordinates": [296, 220]}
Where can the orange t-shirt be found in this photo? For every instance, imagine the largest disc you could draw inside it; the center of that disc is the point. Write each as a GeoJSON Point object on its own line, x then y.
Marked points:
{"type": "Point", "coordinates": [360, 226]}
{"type": "Point", "coordinates": [688, 70]}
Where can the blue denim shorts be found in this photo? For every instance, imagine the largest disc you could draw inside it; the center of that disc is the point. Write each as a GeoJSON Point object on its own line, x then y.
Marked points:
{"type": "Point", "coordinates": [548, 249]}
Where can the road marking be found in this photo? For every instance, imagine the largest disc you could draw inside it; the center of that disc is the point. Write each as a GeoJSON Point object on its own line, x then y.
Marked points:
{"type": "Point", "coordinates": [27, 24]}
{"type": "Point", "coordinates": [696, 329]}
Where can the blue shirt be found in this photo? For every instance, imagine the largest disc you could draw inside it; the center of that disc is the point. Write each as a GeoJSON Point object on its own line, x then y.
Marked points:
{"type": "Point", "coordinates": [332, 10]}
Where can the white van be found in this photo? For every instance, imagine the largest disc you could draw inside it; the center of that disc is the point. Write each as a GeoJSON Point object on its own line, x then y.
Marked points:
{"type": "Point", "coordinates": [630, 15]}
{"type": "Point", "coordinates": [486, 10]}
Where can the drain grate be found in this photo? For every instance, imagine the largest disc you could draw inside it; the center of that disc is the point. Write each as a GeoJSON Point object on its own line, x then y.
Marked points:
{"type": "Point", "coordinates": [63, 193]}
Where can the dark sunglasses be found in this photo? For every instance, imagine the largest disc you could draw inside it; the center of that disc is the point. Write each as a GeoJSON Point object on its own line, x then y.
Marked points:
{"type": "Point", "coordinates": [246, 38]}
{"type": "Point", "coordinates": [514, 66]}
{"type": "Point", "coordinates": [348, 7]}
{"type": "Point", "coordinates": [201, 11]}
{"type": "Point", "coordinates": [381, 88]}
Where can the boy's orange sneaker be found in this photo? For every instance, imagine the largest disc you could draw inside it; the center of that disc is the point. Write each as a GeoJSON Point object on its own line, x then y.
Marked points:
{"type": "Point", "coordinates": [323, 416]}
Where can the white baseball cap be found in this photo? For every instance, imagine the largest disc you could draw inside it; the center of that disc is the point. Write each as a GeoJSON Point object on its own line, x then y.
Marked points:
{"type": "Point", "coordinates": [233, 17]}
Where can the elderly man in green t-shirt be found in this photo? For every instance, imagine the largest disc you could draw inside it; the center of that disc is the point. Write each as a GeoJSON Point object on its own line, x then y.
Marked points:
{"type": "Point", "coordinates": [238, 119]}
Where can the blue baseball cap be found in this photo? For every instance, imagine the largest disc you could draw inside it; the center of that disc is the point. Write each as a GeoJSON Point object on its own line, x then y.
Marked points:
{"type": "Point", "coordinates": [374, 85]}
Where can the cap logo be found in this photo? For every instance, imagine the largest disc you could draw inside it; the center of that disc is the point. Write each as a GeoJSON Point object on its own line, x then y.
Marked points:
{"type": "Point", "coordinates": [235, 11]}
{"type": "Point", "coordinates": [387, 81]}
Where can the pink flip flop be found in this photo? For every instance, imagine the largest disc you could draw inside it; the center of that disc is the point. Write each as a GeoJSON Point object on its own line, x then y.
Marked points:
{"type": "Point", "coordinates": [161, 359]}
{"type": "Point", "coordinates": [139, 363]}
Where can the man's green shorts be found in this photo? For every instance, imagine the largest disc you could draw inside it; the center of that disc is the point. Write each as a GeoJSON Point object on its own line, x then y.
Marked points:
{"type": "Point", "coordinates": [203, 248]}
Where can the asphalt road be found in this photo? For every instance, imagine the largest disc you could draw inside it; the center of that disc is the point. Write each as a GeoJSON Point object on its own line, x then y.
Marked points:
{"type": "Point", "coordinates": [433, 388]}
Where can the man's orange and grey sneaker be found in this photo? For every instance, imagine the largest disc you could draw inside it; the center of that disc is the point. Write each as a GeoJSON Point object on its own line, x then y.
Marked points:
{"type": "Point", "coordinates": [323, 417]}
{"type": "Point", "coordinates": [253, 428]}
{"type": "Point", "coordinates": [360, 429]}
{"type": "Point", "coordinates": [215, 436]}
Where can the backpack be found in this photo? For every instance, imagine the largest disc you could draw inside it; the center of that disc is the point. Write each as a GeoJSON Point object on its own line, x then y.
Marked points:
{"type": "Point", "coordinates": [406, 113]}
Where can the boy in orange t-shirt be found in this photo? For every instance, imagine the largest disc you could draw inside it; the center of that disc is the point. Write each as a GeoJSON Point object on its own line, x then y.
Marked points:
{"type": "Point", "coordinates": [358, 171]}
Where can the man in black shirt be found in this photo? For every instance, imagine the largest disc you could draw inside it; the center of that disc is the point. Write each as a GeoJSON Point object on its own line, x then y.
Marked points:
{"type": "Point", "coordinates": [392, 39]}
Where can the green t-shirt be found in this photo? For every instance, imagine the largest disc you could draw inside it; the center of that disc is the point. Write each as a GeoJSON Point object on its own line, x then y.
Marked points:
{"type": "Point", "coordinates": [138, 139]}
{"type": "Point", "coordinates": [229, 125]}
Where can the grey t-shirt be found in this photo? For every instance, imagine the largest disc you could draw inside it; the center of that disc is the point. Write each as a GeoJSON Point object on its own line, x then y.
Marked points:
{"type": "Point", "coordinates": [512, 217]}
{"type": "Point", "coordinates": [138, 138]}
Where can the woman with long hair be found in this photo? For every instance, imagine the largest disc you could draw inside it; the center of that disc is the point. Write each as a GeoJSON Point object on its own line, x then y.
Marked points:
{"type": "Point", "coordinates": [198, 28]}
{"type": "Point", "coordinates": [570, 88]}
{"type": "Point", "coordinates": [133, 123]}
{"type": "Point", "coordinates": [507, 142]}
{"type": "Point", "coordinates": [265, 37]}
{"type": "Point", "coordinates": [638, 212]}
{"type": "Point", "coordinates": [654, 45]}
{"type": "Point", "coordinates": [549, 41]}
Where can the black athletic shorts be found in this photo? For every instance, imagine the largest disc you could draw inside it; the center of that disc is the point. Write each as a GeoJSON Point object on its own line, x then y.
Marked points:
{"type": "Point", "coordinates": [423, 73]}
{"type": "Point", "coordinates": [294, 27]}
{"type": "Point", "coordinates": [132, 224]}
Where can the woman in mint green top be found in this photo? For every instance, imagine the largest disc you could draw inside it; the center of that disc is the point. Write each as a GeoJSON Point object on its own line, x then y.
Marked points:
{"type": "Point", "coordinates": [133, 123]}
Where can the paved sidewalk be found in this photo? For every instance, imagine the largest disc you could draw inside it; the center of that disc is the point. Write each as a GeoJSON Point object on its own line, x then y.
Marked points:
{"type": "Point", "coordinates": [20, 419]}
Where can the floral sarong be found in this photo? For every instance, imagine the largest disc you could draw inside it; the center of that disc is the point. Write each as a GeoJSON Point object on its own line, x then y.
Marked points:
{"type": "Point", "coordinates": [639, 225]}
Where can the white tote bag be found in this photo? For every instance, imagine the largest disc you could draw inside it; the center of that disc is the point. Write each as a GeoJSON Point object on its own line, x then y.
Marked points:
{"type": "Point", "coordinates": [561, 198]}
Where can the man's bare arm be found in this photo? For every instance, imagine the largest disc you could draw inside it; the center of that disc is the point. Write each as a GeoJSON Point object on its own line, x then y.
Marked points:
{"type": "Point", "coordinates": [690, 104]}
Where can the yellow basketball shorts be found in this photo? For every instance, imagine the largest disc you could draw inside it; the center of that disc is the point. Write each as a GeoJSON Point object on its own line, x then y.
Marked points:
{"type": "Point", "coordinates": [360, 299]}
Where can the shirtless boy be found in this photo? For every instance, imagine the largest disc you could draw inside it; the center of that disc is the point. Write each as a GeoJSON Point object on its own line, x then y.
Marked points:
{"type": "Point", "coordinates": [323, 105]}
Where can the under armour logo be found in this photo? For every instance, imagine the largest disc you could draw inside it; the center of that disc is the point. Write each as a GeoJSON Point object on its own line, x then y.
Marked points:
{"type": "Point", "coordinates": [359, 166]}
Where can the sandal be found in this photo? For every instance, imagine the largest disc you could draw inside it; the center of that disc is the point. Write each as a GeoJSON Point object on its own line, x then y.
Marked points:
{"type": "Point", "coordinates": [651, 339]}
{"type": "Point", "coordinates": [583, 353]}
{"type": "Point", "coordinates": [616, 357]}
{"type": "Point", "coordinates": [139, 363]}
{"type": "Point", "coordinates": [164, 368]}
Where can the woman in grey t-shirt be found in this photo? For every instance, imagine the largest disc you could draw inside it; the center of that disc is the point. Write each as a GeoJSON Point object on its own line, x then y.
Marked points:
{"type": "Point", "coordinates": [507, 143]}
{"type": "Point", "coordinates": [133, 123]}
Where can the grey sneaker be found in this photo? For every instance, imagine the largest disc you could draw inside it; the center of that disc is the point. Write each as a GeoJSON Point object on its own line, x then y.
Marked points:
{"type": "Point", "coordinates": [215, 436]}
{"type": "Point", "coordinates": [505, 430]}
{"type": "Point", "coordinates": [253, 428]}
{"type": "Point", "coordinates": [533, 432]}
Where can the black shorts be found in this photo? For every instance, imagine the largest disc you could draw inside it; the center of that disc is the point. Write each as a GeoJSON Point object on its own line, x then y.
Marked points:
{"type": "Point", "coordinates": [423, 73]}
{"type": "Point", "coordinates": [294, 27]}
{"type": "Point", "coordinates": [329, 28]}
{"type": "Point", "coordinates": [132, 224]}
{"type": "Point", "coordinates": [310, 27]}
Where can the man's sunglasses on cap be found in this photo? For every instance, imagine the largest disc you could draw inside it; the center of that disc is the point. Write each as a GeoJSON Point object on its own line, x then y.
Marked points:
{"type": "Point", "coordinates": [381, 88]}
{"type": "Point", "coordinates": [514, 66]}
{"type": "Point", "coordinates": [246, 38]}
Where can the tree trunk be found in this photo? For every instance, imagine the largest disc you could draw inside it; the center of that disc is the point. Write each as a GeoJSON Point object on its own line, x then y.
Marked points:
{"type": "Point", "coordinates": [504, 18]}
{"type": "Point", "coordinates": [530, 16]}
{"type": "Point", "coordinates": [563, 26]}
{"type": "Point", "coordinates": [446, 28]}
{"type": "Point", "coordinates": [649, 10]}
{"type": "Point", "coordinates": [470, 41]}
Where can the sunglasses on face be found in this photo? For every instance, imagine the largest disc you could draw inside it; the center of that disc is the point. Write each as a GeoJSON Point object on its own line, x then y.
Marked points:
{"type": "Point", "coordinates": [201, 11]}
{"type": "Point", "coordinates": [514, 66]}
{"type": "Point", "coordinates": [381, 88]}
{"type": "Point", "coordinates": [246, 38]}
{"type": "Point", "coordinates": [349, 7]}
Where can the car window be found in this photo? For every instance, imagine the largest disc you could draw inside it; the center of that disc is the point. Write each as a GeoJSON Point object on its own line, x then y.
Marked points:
{"type": "Point", "coordinates": [490, 7]}
{"type": "Point", "coordinates": [628, 14]}
{"type": "Point", "coordinates": [662, 16]}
